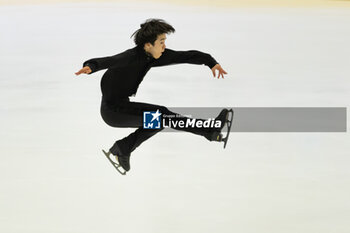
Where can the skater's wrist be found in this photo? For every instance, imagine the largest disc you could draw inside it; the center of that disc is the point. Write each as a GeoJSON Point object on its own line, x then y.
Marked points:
{"type": "Point", "coordinates": [212, 65]}
{"type": "Point", "coordinates": [91, 66]}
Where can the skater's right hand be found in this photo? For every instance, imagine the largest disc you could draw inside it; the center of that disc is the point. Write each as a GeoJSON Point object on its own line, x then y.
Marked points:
{"type": "Point", "coordinates": [220, 69]}
{"type": "Point", "coordinates": [84, 70]}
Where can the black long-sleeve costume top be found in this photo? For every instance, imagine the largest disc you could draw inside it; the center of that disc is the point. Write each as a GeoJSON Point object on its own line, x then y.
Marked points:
{"type": "Point", "coordinates": [126, 70]}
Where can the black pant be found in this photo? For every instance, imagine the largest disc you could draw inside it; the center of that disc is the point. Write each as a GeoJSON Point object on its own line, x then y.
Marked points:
{"type": "Point", "coordinates": [128, 114]}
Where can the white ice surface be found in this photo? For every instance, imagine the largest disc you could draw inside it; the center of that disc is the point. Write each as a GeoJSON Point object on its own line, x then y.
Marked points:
{"type": "Point", "coordinates": [54, 177]}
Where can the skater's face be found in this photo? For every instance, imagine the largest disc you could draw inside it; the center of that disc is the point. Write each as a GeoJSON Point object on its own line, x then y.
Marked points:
{"type": "Point", "coordinates": [158, 48]}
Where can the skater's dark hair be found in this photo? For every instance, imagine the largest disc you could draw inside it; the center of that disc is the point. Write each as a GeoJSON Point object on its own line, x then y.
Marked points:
{"type": "Point", "coordinates": [150, 30]}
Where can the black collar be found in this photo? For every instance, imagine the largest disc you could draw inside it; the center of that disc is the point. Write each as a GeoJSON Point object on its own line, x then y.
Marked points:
{"type": "Point", "coordinates": [142, 51]}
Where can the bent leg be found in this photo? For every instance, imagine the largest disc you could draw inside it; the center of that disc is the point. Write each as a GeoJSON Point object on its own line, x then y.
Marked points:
{"type": "Point", "coordinates": [130, 114]}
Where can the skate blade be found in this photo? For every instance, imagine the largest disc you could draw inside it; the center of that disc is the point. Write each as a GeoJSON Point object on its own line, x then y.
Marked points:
{"type": "Point", "coordinates": [117, 166]}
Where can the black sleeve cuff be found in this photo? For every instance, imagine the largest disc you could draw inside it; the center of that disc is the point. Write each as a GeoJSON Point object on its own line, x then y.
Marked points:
{"type": "Point", "coordinates": [211, 62]}
{"type": "Point", "coordinates": [91, 65]}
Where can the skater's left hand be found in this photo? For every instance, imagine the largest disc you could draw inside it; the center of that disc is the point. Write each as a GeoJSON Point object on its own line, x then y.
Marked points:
{"type": "Point", "coordinates": [220, 69]}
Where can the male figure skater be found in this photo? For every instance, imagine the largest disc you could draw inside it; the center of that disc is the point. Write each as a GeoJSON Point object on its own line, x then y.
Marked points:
{"type": "Point", "coordinates": [125, 72]}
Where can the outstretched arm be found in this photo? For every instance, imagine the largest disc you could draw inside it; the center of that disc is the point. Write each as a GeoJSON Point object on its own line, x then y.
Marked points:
{"type": "Point", "coordinates": [96, 64]}
{"type": "Point", "coordinates": [170, 57]}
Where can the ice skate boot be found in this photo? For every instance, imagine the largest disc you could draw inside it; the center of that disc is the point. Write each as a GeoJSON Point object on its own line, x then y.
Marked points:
{"type": "Point", "coordinates": [122, 160]}
{"type": "Point", "coordinates": [226, 117]}
{"type": "Point", "coordinates": [223, 117]}
{"type": "Point", "coordinates": [215, 136]}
